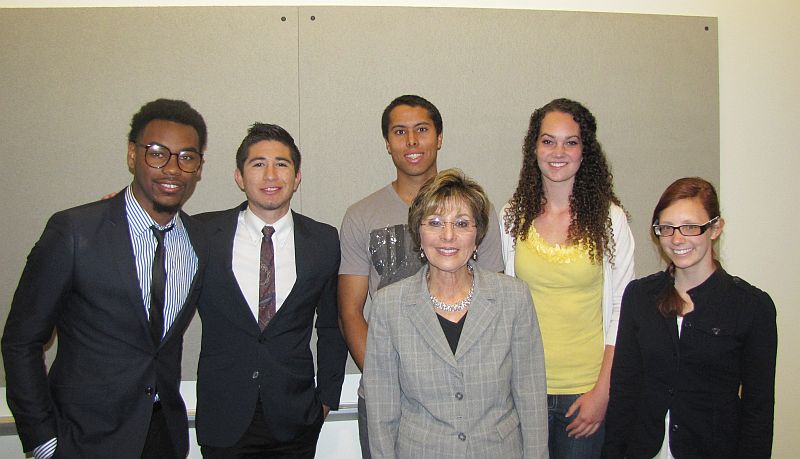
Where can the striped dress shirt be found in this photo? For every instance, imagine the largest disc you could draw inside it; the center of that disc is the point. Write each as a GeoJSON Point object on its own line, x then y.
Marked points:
{"type": "Point", "coordinates": [180, 259]}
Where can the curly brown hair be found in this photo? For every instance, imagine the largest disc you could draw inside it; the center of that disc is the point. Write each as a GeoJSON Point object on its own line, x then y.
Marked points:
{"type": "Point", "coordinates": [592, 192]}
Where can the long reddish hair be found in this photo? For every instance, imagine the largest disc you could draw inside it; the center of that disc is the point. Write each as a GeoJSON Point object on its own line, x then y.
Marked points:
{"type": "Point", "coordinates": [670, 303]}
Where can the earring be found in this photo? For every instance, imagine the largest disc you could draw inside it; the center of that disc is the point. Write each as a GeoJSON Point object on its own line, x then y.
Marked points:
{"type": "Point", "coordinates": [422, 256]}
{"type": "Point", "coordinates": [475, 255]}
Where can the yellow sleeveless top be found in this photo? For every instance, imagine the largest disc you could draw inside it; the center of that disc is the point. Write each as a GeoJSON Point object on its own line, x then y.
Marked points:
{"type": "Point", "coordinates": [567, 291]}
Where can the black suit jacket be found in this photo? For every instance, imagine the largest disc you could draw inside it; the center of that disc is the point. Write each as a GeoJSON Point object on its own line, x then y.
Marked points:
{"type": "Point", "coordinates": [728, 341]}
{"type": "Point", "coordinates": [97, 398]}
{"type": "Point", "coordinates": [236, 358]}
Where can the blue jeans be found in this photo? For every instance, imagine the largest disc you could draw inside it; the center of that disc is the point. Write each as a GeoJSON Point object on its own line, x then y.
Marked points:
{"type": "Point", "coordinates": [561, 446]}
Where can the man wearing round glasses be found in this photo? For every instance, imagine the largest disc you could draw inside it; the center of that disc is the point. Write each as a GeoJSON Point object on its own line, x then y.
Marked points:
{"type": "Point", "coordinates": [117, 281]}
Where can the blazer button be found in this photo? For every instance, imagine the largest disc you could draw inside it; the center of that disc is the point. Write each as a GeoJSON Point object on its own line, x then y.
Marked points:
{"type": "Point", "coordinates": [262, 339]}
{"type": "Point", "coordinates": [255, 374]}
{"type": "Point", "coordinates": [148, 390]}
{"type": "Point", "coordinates": [674, 427]}
{"type": "Point", "coordinates": [459, 395]}
{"type": "Point", "coordinates": [462, 436]}
{"type": "Point", "coordinates": [671, 391]}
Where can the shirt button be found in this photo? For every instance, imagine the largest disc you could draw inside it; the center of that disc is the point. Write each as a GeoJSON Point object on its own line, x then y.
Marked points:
{"type": "Point", "coordinates": [462, 436]}
{"type": "Point", "coordinates": [459, 395]}
{"type": "Point", "coordinates": [255, 374]}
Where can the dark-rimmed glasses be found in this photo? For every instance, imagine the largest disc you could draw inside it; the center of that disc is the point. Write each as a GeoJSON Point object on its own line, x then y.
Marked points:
{"type": "Point", "coordinates": [157, 156]}
{"type": "Point", "coordinates": [686, 230]}
{"type": "Point", "coordinates": [461, 225]}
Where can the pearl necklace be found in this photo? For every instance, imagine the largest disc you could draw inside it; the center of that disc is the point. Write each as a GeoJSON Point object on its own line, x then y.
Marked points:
{"type": "Point", "coordinates": [455, 307]}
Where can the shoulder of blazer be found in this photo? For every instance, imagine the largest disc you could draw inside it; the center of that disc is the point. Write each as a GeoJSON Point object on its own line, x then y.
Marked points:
{"type": "Point", "coordinates": [309, 224]}
{"type": "Point", "coordinates": [224, 221]}
{"type": "Point", "coordinates": [320, 235]}
{"type": "Point", "coordinates": [651, 285]}
{"type": "Point", "coordinates": [744, 293]}
{"type": "Point", "coordinates": [219, 215]}
{"type": "Point", "coordinates": [112, 209]}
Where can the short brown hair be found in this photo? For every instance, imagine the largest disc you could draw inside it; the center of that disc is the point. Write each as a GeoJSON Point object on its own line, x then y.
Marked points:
{"type": "Point", "coordinates": [445, 188]}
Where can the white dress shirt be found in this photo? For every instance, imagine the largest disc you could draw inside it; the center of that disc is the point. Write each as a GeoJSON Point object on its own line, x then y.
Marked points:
{"type": "Point", "coordinates": [247, 257]}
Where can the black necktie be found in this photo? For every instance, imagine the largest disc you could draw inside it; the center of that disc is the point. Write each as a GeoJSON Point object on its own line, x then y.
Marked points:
{"type": "Point", "coordinates": [266, 279]}
{"type": "Point", "coordinates": [158, 283]}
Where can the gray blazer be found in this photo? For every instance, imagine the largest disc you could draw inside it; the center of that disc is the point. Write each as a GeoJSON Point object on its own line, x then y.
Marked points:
{"type": "Point", "coordinates": [486, 401]}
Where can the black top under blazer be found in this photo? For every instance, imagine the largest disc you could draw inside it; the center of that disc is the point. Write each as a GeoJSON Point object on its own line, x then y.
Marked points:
{"type": "Point", "coordinates": [717, 379]}
{"type": "Point", "coordinates": [237, 358]}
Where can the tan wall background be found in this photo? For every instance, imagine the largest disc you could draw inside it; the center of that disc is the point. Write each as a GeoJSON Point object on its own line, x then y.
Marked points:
{"type": "Point", "coordinates": [759, 97]}
{"type": "Point", "coordinates": [73, 77]}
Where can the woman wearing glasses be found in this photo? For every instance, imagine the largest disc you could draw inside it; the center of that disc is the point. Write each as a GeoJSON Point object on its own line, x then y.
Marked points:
{"type": "Point", "coordinates": [568, 238]}
{"type": "Point", "coordinates": [696, 345]}
{"type": "Point", "coordinates": [454, 365]}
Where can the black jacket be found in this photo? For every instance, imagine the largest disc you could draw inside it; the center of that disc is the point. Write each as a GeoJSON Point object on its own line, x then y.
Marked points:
{"type": "Point", "coordinates": [237, 358]}
{"type": "Point", "coordinates": [728, 342]}
{"type": "Point", "coordinates": [97, 397]}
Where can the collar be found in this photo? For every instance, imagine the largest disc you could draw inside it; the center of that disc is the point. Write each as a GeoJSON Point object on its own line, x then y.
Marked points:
{"type": "Point", "coordinates": [140, 221]}
{"type": "Point", "coordinates": [284, 227]}
{"type": "Point", "coordinates": [714, 285]}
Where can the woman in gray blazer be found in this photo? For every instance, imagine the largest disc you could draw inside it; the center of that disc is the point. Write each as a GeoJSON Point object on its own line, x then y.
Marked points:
{"type": "Point", "coordinates": [454, 364]}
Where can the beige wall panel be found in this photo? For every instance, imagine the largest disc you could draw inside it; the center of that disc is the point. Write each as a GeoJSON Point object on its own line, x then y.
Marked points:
{"type": "Point", "coordinates": [70, 80]}
{"type": "Point", "coordinates": [650, 80]}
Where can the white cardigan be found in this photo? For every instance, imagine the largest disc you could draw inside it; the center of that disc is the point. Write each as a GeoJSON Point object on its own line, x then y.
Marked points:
{"type": "Point", "coordinates": [615, 278]}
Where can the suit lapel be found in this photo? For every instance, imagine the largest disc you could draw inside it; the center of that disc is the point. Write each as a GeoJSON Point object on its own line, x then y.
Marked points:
{"type": "Point", "coordinates": [422, 316]}
{"type": "Point", "coordinates": [221, 243]}
{"type": "Point", "coordinates": [304, 260]}
{"type": "Point", "coordinates": [481, 313]}
{"type": "Point", "coordinates": [119, 242]}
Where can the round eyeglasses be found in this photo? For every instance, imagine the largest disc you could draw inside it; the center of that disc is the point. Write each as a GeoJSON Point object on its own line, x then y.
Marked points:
{"type": "Point", "coordinates": [157, 156]}
{"type": "Point", "coordinates": [686, 230]}
{"type": "Point", "coordinates": [460, 226]}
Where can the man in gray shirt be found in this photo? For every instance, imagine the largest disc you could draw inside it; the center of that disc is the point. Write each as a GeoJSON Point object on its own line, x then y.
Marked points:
{"type": "Point", "coordinates": [376, 246]}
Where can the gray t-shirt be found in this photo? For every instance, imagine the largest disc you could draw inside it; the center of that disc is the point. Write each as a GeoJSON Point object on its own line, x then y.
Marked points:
{"type": "Point", "coordinates": [376, 243]}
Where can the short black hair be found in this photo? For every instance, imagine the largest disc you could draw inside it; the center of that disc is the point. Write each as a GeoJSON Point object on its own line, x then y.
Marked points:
{"type": "Point", "coordinates": [177, 111]}
{"type": "Point", "coordinates": [411, 101]}
{"type": "Point", "coordinates": [262, 131]}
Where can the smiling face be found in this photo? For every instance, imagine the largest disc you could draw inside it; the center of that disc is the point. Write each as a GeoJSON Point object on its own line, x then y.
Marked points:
{"type": "Point", "coordinates": [449, 248]}
{"type": "Point", "coordinates": [692, 256]}
{"type": "Point", "coordinates": [269, 179]}
{"type": "Point", "coordinates": [162, 192]}
{"type": "Point", "coordinates": [412, 141]}
{"type": "Point", "coordinates": [559, 148]}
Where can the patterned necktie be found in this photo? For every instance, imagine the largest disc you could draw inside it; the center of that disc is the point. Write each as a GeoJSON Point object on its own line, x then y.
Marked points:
{"type": "Point", "coordinates": [266, 279]}
{"type": "Point", "coordinates": [158, 284]}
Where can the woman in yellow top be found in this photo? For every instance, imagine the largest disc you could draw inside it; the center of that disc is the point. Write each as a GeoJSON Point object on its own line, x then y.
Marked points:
{"type": "Point", "coordinates": [568, 238]}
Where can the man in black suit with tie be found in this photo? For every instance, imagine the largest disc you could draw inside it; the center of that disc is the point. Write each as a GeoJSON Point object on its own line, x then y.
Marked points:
{"type": "Point", "coordinates": [270, 271]}
{"type": "Point", "coordinates": [118, 281]}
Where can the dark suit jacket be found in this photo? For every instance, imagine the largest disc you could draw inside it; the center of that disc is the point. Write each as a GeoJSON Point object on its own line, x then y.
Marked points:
{"type": "Point", "coordinates": [236, 358]}
{"type": "Point", "coordinates": [728, 341]}
{"type": "Point", "coordinates": [98, 396]}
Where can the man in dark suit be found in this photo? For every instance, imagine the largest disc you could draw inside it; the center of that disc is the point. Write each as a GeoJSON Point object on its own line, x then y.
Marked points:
{"type": "Point", "coordinates": [118, 281]}
{"type": "Point", "coordinates": [270, 271]}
